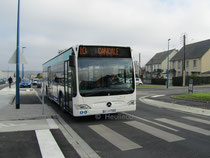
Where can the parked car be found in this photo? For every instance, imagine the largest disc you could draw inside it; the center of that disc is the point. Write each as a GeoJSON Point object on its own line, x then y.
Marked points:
{"type": "Point", "coordinates": [2, 81]}
{"type": "Point", "coordinates": [34, 81]}
{"type": "Point", "coordinates": [139, 81]}
{"type": "Point", "coordinates": [39, 84]}
{"type": "Point", "coordinates": [25, 83]}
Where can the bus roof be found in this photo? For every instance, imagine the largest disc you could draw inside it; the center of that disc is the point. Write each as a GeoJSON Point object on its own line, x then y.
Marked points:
{"type": "Point", "coordinates": [58, 58]}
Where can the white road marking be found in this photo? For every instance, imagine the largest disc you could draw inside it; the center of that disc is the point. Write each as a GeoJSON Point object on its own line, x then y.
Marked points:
{"type": "Point", "coordinates": [37, 94]}
{"type": "Point", "coordinates": [185, 126]}
{"type": "Point", "coordinates": [47, 144]}
{"type": "Point", "coordinates": [114, 138]}
{"type": "Point", "coordinates": [11, 125]}
{"type": "Point", "coordinates": [155, 123]}
{"type": "Point", "coordinates": [52, 124]}
{"type": "Point", "coordinates": [154, 131]}
{"type": "Point", "coordinates": [197, 120]}
{"type": "Point", "coordinates": [155, 96]}
{"type": "Point", "coordinates": [23, 125]}
{"type": "Point", "coordinates": [82, 148]}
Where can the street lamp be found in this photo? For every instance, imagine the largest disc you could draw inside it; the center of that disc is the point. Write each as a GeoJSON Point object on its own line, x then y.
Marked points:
{"type": "Point", "coordinates": [168, 65]}
{"type": "Point", "coordinates": [23, 64]}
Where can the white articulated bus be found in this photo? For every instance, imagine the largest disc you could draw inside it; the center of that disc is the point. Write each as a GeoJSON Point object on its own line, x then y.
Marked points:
{"type": "Point", "coordinates": [90, 80]}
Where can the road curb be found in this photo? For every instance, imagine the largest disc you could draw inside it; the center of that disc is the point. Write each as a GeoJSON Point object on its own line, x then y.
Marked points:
{"type": "Point", "coordinates": [81, 147]}
{"type": "Point", "coordinates": [173, 97]}
{"type": "Point", "coordinates": [32, 118]}
{"type": "Point", "coordinates": [177, 107]}
{"type": "Point", "coordinates": [12, 99]}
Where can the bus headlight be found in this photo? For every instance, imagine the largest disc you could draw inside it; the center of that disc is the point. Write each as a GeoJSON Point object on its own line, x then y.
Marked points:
{"type": "Point", "coordinates": [82, 106]}
{"type": "Point", "coordinates": [132, 102]}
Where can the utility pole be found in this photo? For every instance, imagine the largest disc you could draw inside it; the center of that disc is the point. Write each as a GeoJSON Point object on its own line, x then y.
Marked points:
{"type": "Point", "coordinates": [139, 64]}
{"type": "Point", "coordinates": [183, 65]}
{"type": "Point", "coordinates": [151, 69]}
{"type": "Point", "coordinates": [168, 65]}
{"type": "Point", "coordinates": [18, 59]}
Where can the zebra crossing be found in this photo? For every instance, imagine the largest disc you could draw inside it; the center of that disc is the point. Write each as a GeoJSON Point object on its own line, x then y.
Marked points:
{"type": "Point", "coordinates": [155, 131]}
{"type": "Point", "coordinates": [47, 143]}
{"type": "Point", "coordinates": [162, 132]}
{"type": "Point", "coordinates": [185, 126]}
{"type": "Point", "coordinates": [138, 131]}
{"type": "Point", "coordinates": [115, 138]}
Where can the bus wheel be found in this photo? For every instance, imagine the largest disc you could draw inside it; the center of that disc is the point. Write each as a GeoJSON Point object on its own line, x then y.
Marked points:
{"type": "Point", "coordinates": [61, 103]}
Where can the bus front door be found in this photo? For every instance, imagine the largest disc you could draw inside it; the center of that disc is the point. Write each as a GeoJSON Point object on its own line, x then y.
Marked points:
{"type": "Point", "coordinates": [68, 86]}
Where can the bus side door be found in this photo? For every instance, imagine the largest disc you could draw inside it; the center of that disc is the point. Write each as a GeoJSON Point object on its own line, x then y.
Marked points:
{"type": "Point", "coordinates": [68, 86]}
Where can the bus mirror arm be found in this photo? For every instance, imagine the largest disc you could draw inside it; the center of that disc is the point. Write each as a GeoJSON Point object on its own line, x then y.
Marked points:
{"type": "Point", "coordinates": [72, 61]}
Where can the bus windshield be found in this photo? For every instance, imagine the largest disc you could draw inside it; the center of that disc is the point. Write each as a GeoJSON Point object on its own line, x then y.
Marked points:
{"type": "Point", "coordinates": [105, 76]}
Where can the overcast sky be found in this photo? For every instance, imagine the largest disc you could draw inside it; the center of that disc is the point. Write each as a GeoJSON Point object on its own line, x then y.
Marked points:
{"type": "Point", "coordinates": [145, 25]}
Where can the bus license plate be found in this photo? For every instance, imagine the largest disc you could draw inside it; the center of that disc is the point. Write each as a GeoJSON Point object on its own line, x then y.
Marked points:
{"type": "Point", "coordinates": [109, 111]}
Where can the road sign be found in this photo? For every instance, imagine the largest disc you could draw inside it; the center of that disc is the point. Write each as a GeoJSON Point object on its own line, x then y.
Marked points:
{"type": "Point", "coordinates": [12, 60]}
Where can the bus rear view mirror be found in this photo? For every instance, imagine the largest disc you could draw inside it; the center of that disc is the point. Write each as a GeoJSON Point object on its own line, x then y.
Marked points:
{"type": "Point", "coordinates": [72, 61]}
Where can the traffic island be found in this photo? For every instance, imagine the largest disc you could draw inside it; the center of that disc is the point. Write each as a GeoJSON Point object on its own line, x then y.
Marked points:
{"type": "Point", "coordinates": [202, 97]}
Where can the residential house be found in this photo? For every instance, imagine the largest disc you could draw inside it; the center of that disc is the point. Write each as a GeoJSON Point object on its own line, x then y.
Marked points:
{"type": "Point", "coordinates": [137, 68]}
{"type": "Point", "coordinates": [160, 61]}
{"type": "Point", "coordinates": [197, 59]}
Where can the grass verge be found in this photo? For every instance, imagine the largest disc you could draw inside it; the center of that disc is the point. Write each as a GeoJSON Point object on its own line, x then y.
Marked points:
{"type": "Point", "coordinates": [149, 86]}
{"type": "Point", "coordinates": [195, 96]}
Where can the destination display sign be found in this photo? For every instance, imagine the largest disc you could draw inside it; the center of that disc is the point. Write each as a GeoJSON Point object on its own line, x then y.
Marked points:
{"type": "Point", "coordinates": [104, 51]}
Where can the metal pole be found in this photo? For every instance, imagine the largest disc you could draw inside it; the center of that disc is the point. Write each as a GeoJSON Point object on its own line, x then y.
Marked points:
{"type": "Point", "coordinates": [168, 65]}
{"type": "Point", "coordinates": [183, 65]}
{"type": "Point", "coordinates": [139, 64]}
{"type": "Point", "coordinates": [43, 96]}
{"type": "Point", "coordinates": [23, 64]}
{"type": "Point", "coordinates": [17, 59]}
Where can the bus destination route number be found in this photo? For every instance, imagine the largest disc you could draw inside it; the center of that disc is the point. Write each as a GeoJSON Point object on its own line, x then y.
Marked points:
{"type": "Point", "coordinates": [87, 51]}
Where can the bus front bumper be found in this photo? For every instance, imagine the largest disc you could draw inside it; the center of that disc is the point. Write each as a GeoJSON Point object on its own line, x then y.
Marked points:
{"type": "Point", "coordinates": [87, 112]}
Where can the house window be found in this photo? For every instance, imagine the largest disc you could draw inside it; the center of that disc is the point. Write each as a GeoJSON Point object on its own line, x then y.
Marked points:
{"type": "Point", "coordinates": [179, 73]}
{"type": "Point", "coordinates": [179, 64]}
{"type": "Point", "coordinates": [187, 73]}
{"type": "Point", "coordinates": [173, 65]}
{"type": "Point", "coordinates": [187, 63]}
{"type": "Point", "coordinates": [156, 67]}
{"type": "Point", "coordinates": [148, 68]}
{"type": "Point", "coordinates": [194, 63]}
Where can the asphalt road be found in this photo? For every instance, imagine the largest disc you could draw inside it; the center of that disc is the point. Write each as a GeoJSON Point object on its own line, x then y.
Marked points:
{"type": "Point", "coordinates": [24, 144]}
{"type": "Point", "coordinates": [148, 132]}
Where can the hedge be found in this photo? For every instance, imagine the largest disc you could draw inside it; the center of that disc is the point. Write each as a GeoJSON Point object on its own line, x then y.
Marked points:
{"type": "Point", "coordinates": [158, 81]}
{"type": "Point", "coordinates": [177, 81]}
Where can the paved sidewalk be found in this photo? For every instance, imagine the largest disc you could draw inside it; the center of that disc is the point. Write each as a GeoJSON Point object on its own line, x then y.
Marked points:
{"type": "Point", "coordinates": [8, 110]}
{"type": "Point", "coordinates": [28, 132]}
